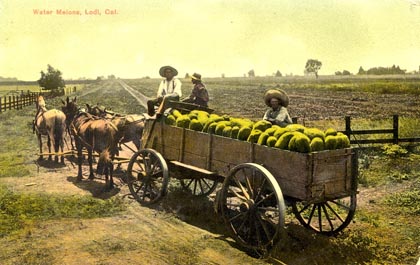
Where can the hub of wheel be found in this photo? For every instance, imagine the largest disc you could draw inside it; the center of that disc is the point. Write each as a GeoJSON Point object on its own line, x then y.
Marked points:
{"type": "Point", "coordinates": [247, 206]}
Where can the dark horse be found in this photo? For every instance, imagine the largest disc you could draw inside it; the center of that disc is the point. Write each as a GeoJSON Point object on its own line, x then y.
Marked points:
{"type": "Point", "coordinates": [70, 108]}
{"type": "Point", "coordinates": [51, 123]}
{"type": "Point", "coordinates": [96, 135]}
{"type": "Point", "coordinates": [130, 126]}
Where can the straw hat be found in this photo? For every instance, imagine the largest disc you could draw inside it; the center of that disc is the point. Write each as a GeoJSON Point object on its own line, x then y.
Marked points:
{"type": "Point", "coordinates": [163, 69]}
{"type": "Point", "coordinates": [276, 93]}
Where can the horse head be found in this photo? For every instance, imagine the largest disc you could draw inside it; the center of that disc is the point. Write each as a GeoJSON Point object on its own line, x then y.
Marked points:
{"type": "Point", "coordinates": [70, 108]}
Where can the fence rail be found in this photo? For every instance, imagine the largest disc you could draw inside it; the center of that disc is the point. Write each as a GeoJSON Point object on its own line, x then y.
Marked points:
{"type": "Point", "coordinates": [394, 131]}
{"type": "Point", "coordinates": [20, 101]}
{"type": "Point", "coordinates": [17, 102]}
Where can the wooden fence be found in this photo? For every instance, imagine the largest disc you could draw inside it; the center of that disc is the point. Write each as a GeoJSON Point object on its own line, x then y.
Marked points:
{"type": "Point", "coordinates": [352, 134]}
{"type": "Point", "coordinates": [17, 102]}
{"type": "Point", "coordinates": [20, 101]}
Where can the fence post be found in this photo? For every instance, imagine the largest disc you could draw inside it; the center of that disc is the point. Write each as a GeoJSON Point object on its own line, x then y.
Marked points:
{"type": "Point", "coordinates": [348, 126]}
{"type": "Point", "coordinates": [0, 105]}
{"type": "Point", "coordinates": [10, 102]}
{"type": "Point", "coordinates": [395, 128]}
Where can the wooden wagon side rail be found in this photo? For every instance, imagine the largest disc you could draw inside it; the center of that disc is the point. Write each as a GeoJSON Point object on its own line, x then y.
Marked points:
{"type": "Point", "coordinates": [309, 177]}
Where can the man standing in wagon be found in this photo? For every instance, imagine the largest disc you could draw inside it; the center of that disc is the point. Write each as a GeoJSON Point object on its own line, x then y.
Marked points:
{"type": "Point", "coordinates": [169, 89]}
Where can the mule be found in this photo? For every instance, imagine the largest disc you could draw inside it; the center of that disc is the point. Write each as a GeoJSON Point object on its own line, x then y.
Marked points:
{"type": "Point", "coordinates": [96, 135]}
{"type": "Point", "coordinates": [51, 123]}
{"type": "Point", "coordinates": [130, 126]}
{"type": "Point", "coordinates": [70, 108]}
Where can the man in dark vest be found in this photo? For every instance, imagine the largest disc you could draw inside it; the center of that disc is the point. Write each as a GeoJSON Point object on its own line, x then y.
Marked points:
{"type": "Point", "coordinates": [199, 94]}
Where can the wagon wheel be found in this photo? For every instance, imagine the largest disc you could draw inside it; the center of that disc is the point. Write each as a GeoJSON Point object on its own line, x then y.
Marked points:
{"type": "Point", "coordinates": [328, 217]}
{"type": "Point", "coordinates": [199, 187]}
{"type": "Point", "coordinates": [147, 176]}
{"type": "Point", "coordinates": [252, 206]}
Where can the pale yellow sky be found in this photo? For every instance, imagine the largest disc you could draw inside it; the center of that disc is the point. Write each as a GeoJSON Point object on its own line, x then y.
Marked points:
{"type": "Point", "coordinates": [207, 36]}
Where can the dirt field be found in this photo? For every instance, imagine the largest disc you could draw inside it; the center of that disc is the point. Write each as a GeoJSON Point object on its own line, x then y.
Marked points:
{"type": "Point", "coordinates": [182, 229]}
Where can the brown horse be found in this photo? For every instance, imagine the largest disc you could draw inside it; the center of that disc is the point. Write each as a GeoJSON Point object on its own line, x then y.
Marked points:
{"type": "Point", "coordinates": [51, 123]}
{"type": "Point", "coordinates": [70, 108]}
{"type": "Point", "coordinates": [97, 135]}
{"type": "Point", "coordinates": [130, 126]}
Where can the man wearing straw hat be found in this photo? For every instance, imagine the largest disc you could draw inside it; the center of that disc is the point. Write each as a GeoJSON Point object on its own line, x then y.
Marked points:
{"type": "Point", "coordinates": [169, 89]}
{"type": "Point", "coordinates": [277, 100]}
{"type": "Point", "coordinates": [199, 94]}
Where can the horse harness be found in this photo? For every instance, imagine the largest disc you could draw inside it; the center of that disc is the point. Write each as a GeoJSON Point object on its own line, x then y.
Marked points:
{"type": "Point", "coordinates": [76, 130]}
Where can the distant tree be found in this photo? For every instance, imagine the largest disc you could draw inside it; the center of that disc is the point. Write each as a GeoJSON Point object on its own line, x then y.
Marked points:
{"type": "Point", "coordinates": [51, 80]}
{"type": "Point", "coordinates": [345, 72]}
{"type": "Point", "coordinates": [313, 66]}
{"type": "Point", "coordinates": [98, 78]}
{"type": "Point", "coordinates": [338, 73]}
{"type": "Point", "coordinates": [394, 70]}
{"type": "Point", "coordinates": [111, 76]}
{"type": "Point", "coordinates": [361, 71]}
{"type": "Point", "coordinates": [278, 74]}
{"type": "Point", "coordinates": [187, 75]}
{"type": "Point", "coordinates": [251, 73]}
{"type": "Point", "coordinates": [223, 75]}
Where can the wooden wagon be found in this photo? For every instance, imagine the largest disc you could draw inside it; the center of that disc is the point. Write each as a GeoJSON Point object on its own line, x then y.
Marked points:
{"type": "Point", "coordinates": [257, 181]}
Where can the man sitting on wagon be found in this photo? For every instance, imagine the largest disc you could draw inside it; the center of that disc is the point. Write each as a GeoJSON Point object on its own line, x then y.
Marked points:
{"type": "Point", "coordinates": [199, 94]}
{"type": "Point", "coordinates": [277, 100]}
{"type": "Point", "coordinates": [169, 89]}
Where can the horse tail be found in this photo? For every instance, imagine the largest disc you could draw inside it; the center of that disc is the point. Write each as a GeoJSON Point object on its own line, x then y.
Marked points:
{"type": "Point", "coordinates": [59, 130]}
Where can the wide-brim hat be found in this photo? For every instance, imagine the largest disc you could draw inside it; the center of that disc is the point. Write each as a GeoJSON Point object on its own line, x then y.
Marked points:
{"type": "Point", "coordinates": [276, 93]}
{"type": "Point", "coordinates": [196, 76]}
{"type": "Point", "coordinates": [163, 69]}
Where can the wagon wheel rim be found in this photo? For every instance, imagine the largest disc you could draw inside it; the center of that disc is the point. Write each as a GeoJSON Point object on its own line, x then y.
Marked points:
{"type": "Point", "coordinates": [329, 217]}
{"type": "Point", "coordinates": [147, 176]}
{"type": "Point", "coordinates": [253, 207]}
{"type": "Point", "coordinates": [199, 187]}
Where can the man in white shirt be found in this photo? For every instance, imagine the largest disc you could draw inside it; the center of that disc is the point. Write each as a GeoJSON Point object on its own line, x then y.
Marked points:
{"type": "Point", "coordinates": [169, 89]}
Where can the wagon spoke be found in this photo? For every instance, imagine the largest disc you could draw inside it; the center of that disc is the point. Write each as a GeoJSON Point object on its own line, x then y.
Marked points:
{"type": "Point", "coordinates": [240, 214]}
{"type": "Point", "coordinates": [304, 208]}
{"type": "Point", "coordinates": [206, 183]}
{"type": "Point", "coordinates": [334, 212]}
{"type": "Point", "coordinates": [264, 226]}
{"type": "Point", "coordinates": [260, 190]}
{"type": "Point", "coordinates": [311, 214]}
{"type": "Point", "coordinates": [346, 207]}
{"type": "Point", "coordinates": [237, 194]}
{"type": "Point", "coordinates": [319, 218]}
{"type": "Point", "coordinates": [195, 186]}
{"type": "Point", "coordinates": [265, 198]}
{"type": "Point", "coordinates": [248, 183]}
{"type": "Point", "coordinates": [155, 166]}
{"type": "Point", "coordinates": [189, 183]}
{"type": "Point", "coordinates": [241, 187]}
{"type": "Point", "coordinates": [327, 215]}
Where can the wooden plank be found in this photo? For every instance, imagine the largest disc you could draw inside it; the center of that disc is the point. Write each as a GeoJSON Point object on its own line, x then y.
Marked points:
{"type": "Point", "coordinates": [190, 167]}
{"type": "Point", "coordinates": [290, 169]}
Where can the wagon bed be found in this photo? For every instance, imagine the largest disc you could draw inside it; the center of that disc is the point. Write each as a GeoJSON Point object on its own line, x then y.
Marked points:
{"type": "Point", "coordinates": [258, 181]}
{"type": "Point", "coordinates": [309, 177]}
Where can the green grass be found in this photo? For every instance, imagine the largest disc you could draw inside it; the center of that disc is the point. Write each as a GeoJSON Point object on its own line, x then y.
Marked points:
{"type": "Point", "coordinates": [19, 145]}
{"type": "Point", "coordinates": [407, 202]}
{"type": "Point", "coordinates": [19, 210]}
